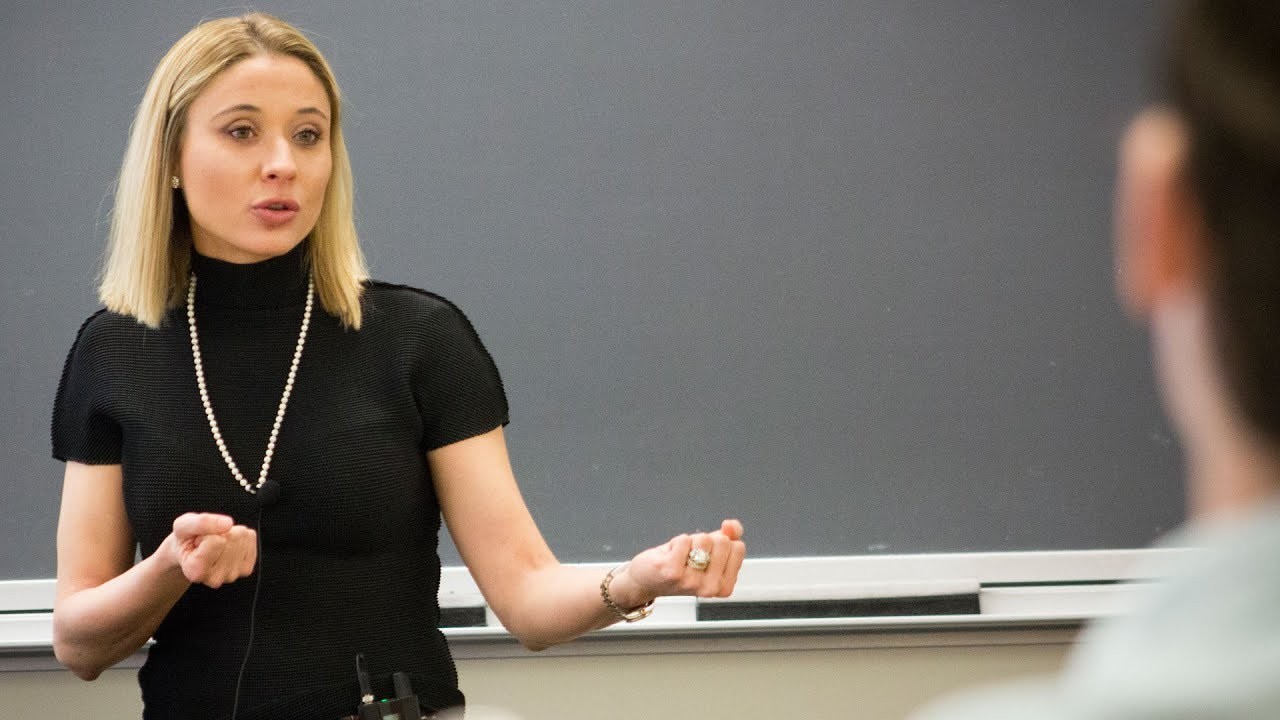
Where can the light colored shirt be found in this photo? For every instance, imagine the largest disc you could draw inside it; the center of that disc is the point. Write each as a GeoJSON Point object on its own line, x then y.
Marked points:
{"type": "Point", "coordinates": [1205, 644]}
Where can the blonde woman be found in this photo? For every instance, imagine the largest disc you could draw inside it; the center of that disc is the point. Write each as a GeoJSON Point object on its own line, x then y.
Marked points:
{"type": "Point", "coordinates": [279, 436]}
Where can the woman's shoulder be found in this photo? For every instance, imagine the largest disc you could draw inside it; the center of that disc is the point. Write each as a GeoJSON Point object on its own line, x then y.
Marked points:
{"type": "Point", "coordinates": [406, 302]}
{"type": "Point", "coordinates": [107, 327]}
{"type": "Point", "coordinates": [108, 344]}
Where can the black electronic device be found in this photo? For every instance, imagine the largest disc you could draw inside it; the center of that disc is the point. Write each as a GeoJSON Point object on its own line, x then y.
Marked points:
{"type": "Point", "coordinates": [405, 708]}
{"type": "Point", "coordinates": [402, 707]}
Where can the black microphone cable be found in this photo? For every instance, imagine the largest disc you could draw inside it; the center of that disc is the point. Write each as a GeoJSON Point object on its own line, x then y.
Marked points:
{"type": "Point", "coordinates": [253, 612]}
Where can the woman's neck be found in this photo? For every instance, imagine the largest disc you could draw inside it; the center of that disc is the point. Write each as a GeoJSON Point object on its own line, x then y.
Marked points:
{"type": "Point", "coordinates": [277, 282]}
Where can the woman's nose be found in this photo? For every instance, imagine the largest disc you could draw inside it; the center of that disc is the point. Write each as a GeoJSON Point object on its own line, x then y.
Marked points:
{"type": "Point", "coordinates": [279, 163]}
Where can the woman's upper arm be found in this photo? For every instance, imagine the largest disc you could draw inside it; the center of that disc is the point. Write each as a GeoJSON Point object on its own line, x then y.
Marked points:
{"type": "Point", "coordinates": [487, 516]}
{"type": "Point", "coordinates": [95, 541]}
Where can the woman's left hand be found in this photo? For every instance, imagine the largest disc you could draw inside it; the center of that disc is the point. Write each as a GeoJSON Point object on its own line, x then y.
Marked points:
{"type": "Point", "coordinates": [671, 568]}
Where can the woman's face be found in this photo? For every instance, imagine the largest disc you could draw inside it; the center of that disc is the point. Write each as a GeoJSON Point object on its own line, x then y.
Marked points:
{"type": "Point", "coordinates": [255, 159]}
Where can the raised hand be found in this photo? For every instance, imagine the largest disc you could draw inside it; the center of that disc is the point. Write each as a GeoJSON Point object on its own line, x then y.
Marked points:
{"type": "Point", "coordinates": [211, 549]}
{"type": "Point", "coordinates": [702, 564]}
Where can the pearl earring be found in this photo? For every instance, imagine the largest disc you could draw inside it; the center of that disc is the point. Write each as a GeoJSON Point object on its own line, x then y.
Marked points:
{"type": "Point", "coordinates": [175, 182]}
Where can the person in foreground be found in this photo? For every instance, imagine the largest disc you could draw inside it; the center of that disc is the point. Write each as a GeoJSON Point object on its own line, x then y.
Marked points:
{"type": "Point", "coordinates": [279, 435]}
{"type": "Point", "coordinates": [1198, 238]}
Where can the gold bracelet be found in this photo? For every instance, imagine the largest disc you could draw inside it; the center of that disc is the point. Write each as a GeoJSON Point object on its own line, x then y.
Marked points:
{"type": "Point", "coordinates": [631, 615]}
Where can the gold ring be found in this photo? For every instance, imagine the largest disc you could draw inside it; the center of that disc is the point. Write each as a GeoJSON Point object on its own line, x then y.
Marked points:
{"type": "Point", "coordinates": [698, 559]}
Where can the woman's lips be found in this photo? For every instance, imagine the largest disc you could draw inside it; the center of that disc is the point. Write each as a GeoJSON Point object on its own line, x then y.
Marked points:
{"type": "Point", "coordinates": [274, 218]}
{"type": "Point", "coordinates": [275, 214]}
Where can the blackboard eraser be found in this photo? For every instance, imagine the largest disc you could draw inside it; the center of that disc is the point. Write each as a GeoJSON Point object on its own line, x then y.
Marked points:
{"type": "Point", "coordinates": [847, 600]}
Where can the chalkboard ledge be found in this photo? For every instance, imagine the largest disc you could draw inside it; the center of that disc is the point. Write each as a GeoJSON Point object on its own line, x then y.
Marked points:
{"type": "Point", "coordinates": [803, 603]}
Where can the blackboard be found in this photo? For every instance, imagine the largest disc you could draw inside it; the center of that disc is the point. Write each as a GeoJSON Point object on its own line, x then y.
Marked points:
{"type": "Point", "coordinates": [839, 268]}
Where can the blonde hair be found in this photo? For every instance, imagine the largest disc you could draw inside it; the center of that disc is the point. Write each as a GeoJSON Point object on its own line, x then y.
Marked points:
{"type": "Point", "coordinates": [149, 245]}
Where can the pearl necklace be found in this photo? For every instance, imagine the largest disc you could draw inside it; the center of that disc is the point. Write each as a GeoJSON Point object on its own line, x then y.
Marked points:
{"type": "Point", "coordinates": [284, 398]}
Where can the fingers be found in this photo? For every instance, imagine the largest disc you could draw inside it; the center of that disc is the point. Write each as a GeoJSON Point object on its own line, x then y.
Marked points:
{"type": "Point", "coordinates": [242, 542]}
{"type": "Point", "coordinates": [250, 553]}
{"type": "Point", "coordinates": [665, 570]}
{"type": "Point", "coordinates": [721, 576]}
{"type": "Point", "coordinates": [680, 547]}
{"type": "Point", "coordinates": [718, 547]}
{"type": "Point", "coordinates": [217, 557]}
{"type": "Point", "coordinates": [201, 560]}
{"type": "Point", "coordinates": [737, 552]}
{"type": "Point", "coordinates": [732, 529]}
{"type": "Point", "coordinates": [189, 525]}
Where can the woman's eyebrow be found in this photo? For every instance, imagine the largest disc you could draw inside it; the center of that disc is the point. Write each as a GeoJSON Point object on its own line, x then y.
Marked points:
{"type": "Point", "coordinates": [245, 107]}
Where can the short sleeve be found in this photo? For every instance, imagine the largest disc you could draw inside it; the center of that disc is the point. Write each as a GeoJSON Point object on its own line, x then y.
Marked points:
{"type": "Point", "coordinates": [82, 429]}
{"type": "Point", "coordinates": [456, 384]}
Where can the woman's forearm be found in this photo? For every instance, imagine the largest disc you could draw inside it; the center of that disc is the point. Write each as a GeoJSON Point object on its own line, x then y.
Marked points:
{"type": "Point", "coordinates": [97, 627]}
{"type": "Point", "coordinates": [557, 603]}
{"type": "Point", "coordinates": [549, 603]}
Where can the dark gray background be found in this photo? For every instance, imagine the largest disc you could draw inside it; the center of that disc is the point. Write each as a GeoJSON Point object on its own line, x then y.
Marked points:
{"type": "Point", "coordinates": [841, 269]}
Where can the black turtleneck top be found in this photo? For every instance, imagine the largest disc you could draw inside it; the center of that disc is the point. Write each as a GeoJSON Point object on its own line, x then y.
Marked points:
{"type": "Point", "coordinates": [349, 562]}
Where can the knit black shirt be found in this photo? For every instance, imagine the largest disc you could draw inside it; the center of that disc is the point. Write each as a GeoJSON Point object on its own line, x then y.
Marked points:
{"type": "Point", "coordinates": [349, 560]}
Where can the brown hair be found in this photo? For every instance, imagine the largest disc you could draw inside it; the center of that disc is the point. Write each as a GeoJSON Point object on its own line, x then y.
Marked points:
{"type": "Point", "coordinates": [1224, 80]}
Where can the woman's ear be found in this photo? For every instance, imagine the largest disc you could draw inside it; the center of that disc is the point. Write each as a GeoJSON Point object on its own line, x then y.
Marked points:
{"type": "Point", "coordinates": [1159, 235]}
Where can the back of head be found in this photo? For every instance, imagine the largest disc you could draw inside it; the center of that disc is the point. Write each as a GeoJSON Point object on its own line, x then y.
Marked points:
{"type": "Point", "coordinates": [1224, 81]}
{"type": "Point", "coordinates": [149, 246]}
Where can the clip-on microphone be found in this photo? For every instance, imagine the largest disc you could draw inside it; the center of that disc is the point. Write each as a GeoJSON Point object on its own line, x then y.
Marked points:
{"type": "Point", "coordinates": [268, 493]}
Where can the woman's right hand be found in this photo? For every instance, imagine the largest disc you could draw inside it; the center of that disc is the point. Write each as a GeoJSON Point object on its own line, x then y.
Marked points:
{"type": "Point", "coordinates": [107, 606]}
{"type": "Point", "coordinates": [211, 549]}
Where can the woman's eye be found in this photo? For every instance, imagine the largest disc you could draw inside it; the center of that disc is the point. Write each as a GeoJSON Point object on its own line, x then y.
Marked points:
{"type": "Point", "coordinates": [308, 137]}
{"type": "Point", "coordinates": [241, 132]}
